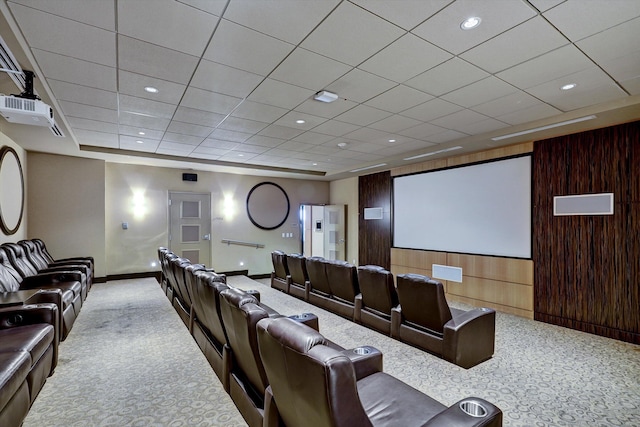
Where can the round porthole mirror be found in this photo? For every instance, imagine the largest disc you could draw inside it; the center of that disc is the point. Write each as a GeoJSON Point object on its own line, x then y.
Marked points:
{"type": "Point", "coordinates": [267, 205]}
{"type": "Point", "coordinates": [11, 191]}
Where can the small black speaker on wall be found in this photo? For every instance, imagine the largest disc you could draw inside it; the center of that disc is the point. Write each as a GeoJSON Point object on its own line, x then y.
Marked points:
{"type": "Point", "coordinates": [189, 176]}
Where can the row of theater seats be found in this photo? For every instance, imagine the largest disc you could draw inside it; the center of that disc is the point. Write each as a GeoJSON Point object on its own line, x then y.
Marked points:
{"type": "Point", "coordinates": [40, 300]}
{"type": "Point", "coordinates": [280, 371]}
{"type": "Point", "coordinates": [413, 309]}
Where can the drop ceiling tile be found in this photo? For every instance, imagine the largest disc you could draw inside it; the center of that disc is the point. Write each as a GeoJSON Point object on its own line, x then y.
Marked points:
{"type": "Point", "coordinates": [335, 128]}
{"type": "Point", "coordinates": [359, 86]}
{"type": "Point", "coordinates": [155, 61]}
{"type": "Point", "coordinates": [313, 138]}
{"type": "Point", "coordinates": [571, 16]}
{"type": "Point", "coordinates": [362, 115]}
{"type": "Point", "coordinates": [101, 14]}
{"type": "Point", "coordinates": [175, 147]}
{"type": "Point", "coordinates": [422, 132]}
{"type": "Point", "coordinates": [174, 153]}
{"type": "Point", "coordinates": [133, 84]}
{"type": "Point", "coordinates": [137, 120]}
{"type": "Point", "coordinates": [632, 85]}
{"type": "Point", "coordinates": [395, 123]}
{"type": "Point", "coordinates": [323, 109]}
{"type": "Point", "coordinates": [72, 109]}
{"type": "Point", "coordinates": [128, 143]}
{"type": "Point", "coordinates": [405, 58]}
{"type": "Point", "coordinates": [93, 125]}
{"type": "Point", "coordinates": [64, 91]}
{"type": "Point", "coordinates": [199, 151]}
{"type": "Point", "coordinates": [443, 29]}
{"type": "Point", "coordinates": [132, 104]}
{"type": "Point", "coordinates": [370, 135]}
{"type": "Point", "coordinates": [258, 112]}
{"type": "Point", "coordinates": [280, 94]}
{"type": "Point", "coordinates": [76, 71]}
{"type": "Point", "coordinates": [214, 7]}
{"type": "Point", "coordinates": [483, 126]}
{"type": "Point", "coordinates": [283, 154]}
{"type": "Point", "coordinates": [282, 132]}
{"type": "Point", "coordinates": [228, 81]}
{"type": "Point", "coordinates": [242, 125]}
{"type": "Point", "coordinates": [456, 120]}
{"type": "Point", "coordinates": [96, 139]}
{"type": "Point", "coordinates": [552, 65]}
{"type": "Point", "coordinates": [250, 148]}
{"type": "Point", "coordinates": [198, 117]}
{"type": "Point", "coordinates": [351, 35]}
{"type": "Point", "coordinates": [135, 132]}
{"type": "Point", "coordinates": [243, 48]}
{"type": "Point", "coordinates": [309, 70]}
{"type": "Point", "coordinates": [515, 46]}
{"type": "Point", "coordinates": [209, 101]}
{"type": "Point", "coordinates": [237, 157]}
{"type": "Point", "coordinates": [398, 99]}
{"type": "Point", "coordinates": [290, 119]}
{"type": "Point", "coordinates": [79, 40]}
{"type": "Point", "coordinates": [507, 104]}
{"type": "Point", "coordinates": [288, 20]}
{"type": "Point", "coordinates": [219, 144]}
{"type": "Point", "coordinates": [264, 141]}
{"type": "Point", "coordinates": [446, 77]}
{"type": "Point", "coordinates": [412, 12]}
{"type": "Point", "coordinates": [324, 150]}
{"type": "Point", "coordinates": [172, 24]}
{"type": "Point", "coordinates": [536, 112]}
{"type": "Point", "coordinates": [189, 129]}
{"type": "Point", "coordinates": [229, 135]}
{"type": "Point", "coordinates": [295, 146]}
{"type": "Point", "coordinates": [544, 5]}
{"type": "Point", "coordinates": [479, 92]}
{"type": "Point", "coordinates": [431, 110]}
{"type": "Point", "coordinates": [182, 138]}
{"type": "Point", "coordinates": [448, 135]}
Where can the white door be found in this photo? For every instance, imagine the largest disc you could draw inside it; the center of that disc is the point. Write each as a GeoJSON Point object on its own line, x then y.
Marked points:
{"type": "Point", "coordinates": [190, 226]}
{"type": "Point", "coordinates": [335, 247]}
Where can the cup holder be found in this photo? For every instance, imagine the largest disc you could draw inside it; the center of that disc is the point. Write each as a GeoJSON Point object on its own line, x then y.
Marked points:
{"type": "Point", "coordinates": [301, 316]}
{"type": "Point", "coordinates": [361, 350]}
{"type": "Point", "coordinates": [473, 408]}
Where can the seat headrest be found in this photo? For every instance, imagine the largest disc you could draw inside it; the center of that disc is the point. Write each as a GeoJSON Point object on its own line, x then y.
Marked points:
{"type": "Point", "coordinates": [237, 297]}
{"type": "Point", "coordinates": [292, 334]}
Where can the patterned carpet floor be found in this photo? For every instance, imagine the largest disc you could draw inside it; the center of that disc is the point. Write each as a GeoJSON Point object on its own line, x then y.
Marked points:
{"type": "Point", "coordinates": [129, 361]}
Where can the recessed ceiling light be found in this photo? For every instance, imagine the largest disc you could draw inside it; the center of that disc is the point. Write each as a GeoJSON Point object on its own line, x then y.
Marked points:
{"type": "Point", "coordinates": [342, 144]}
{"type": "Point", "coordinates": [140, 133]}
{"type": "Point", "coordinates": [314, 164]}
{"type": "Point", "coordinates": [240, 155]}
{"type": "Point", "coordinates": [300, 121]}
{"type": "Point", "coordinates": [140, 142]}
{"type": "Point", "coordinates": [151, 89]}
{"type": "Point", "coordinates": [470, 23]}
{"type": "Point", "coordinates": [392, 140]}
{"type": "Point", "coordinates": [568, 86]}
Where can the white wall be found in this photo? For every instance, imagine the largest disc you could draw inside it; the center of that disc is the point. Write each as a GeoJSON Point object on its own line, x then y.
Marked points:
{"type": "Point", "coordinates": [11, 190]}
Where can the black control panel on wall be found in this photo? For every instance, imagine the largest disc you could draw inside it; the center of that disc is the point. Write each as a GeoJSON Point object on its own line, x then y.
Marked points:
{"type": "Point", "coordinates": [190, 177]}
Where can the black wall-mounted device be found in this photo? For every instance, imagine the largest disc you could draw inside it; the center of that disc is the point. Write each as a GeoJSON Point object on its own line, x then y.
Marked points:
{"type": "Point", "coordinates": [190, 177]}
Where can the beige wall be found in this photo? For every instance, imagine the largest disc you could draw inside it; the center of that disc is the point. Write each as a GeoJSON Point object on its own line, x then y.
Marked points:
{"type": "Point", "coordinates": [345, 192]}
{"type": "Point", "coordinates": [135, 249]}
{"type": "Point", "coordinates": [11, 190]}
{"type": "Point", "coordinates": [66, 206]}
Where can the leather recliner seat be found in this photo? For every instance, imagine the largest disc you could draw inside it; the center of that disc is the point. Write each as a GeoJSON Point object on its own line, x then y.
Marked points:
{"type": "Point", "coordinates": [377, 298]}
{"type": "Point", "coordinates": [38, 259]}
{"type": "Point", "coordinates": [297, 276]}
{"type": "Point", "coordinates": [280, 271]}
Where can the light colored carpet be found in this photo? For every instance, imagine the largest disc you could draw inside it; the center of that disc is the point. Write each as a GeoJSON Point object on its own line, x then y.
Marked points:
{"type": "Point", "coordinates": [129, 361]}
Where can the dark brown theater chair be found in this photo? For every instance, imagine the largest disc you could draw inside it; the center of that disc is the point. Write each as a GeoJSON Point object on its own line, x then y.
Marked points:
{"type": "Point", "coordinates": [343, 280]}
{"type": "Point", "coordinates": [297, 276]}
{"type": "Point", "coordinates": [317, 287]}
{"type": "Point", "coordinates": [51, 259]}
{"type": "Point", "coordinates": [280, 271]}
{"type": "Point", "coordinates": [43, 264]}
{"type": "Point", "coordinates": [181, 298]}
{"type": "Point", "coordinates": [376, 299]}
{"type": "Point", "coordinates": [425, 320]}
{"type": "Point", "coordinates": [315, 385]}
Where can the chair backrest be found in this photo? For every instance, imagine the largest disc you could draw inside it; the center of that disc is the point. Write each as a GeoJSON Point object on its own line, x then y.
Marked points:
{"type": "Point", "coordinates": [317, 270]}
{"type": "Point", "coordinates": [297, 269]}
{"type": "Point", "coordinates": [43, 249]}
{"type": "Point", "coordinates": [343, 280]}
{"type": "Point", "coordinates": [377, 288]}
{"type": "Point", "coordinates": [240, 314]}
{"type": "Point", "coordinates": [313, 384]}
{"type": "Point", "coordinates": [10, 279]}
{"type": "Point", "coordinates": [280, 268]}
{"type": "Point", "coordinates": [423, 302]}
{"type": "Point", "coordinates": [34, 254]}
{"type": "Point", "coordinates": [18, 258]}
{"type": "Point", "coordinates": [206, 302]}
{"type": "Point", "coordinates": [178, 269]}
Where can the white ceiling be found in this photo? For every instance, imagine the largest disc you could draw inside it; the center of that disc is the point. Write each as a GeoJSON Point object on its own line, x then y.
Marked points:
{"type": "Point", "coordinates": [235, 75]}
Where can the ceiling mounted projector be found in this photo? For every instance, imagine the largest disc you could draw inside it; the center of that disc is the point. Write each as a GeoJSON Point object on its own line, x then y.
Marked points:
{"type": "Point", "coordinates": [325, 96]}
{"type": "Point", "coordinates": [26, 111]}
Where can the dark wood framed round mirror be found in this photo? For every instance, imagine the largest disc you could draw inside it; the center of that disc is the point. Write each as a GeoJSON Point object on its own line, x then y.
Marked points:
{"type": "Point", "coordinates": [268, 205]}
{"type": "Point", "coordinates": [11, 191]}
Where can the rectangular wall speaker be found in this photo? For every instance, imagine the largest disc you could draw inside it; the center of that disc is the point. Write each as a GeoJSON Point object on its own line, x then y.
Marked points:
{"type": "Point", "coordinates": [583, 204]}
{"type": "Point", "coordinates": [190, 177]}
{"type": "Point", "coordinates": [445, 272]}
{"type": "Point", "coordinates": [372, 213]}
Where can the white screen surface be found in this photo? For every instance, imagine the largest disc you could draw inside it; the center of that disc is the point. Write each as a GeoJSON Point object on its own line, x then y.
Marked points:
{"type": "Point", "coordinates": [479, 209]}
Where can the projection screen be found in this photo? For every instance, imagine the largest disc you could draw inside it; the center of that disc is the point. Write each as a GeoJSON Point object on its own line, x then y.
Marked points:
{"type": "Point", "coordinates": [481, 209]}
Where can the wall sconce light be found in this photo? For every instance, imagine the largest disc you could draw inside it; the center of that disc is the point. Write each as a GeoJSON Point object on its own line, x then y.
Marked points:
{"type": "Point", "coordinates": [139, 204]}
{"type": "Point", "coordinates": [229, 207]}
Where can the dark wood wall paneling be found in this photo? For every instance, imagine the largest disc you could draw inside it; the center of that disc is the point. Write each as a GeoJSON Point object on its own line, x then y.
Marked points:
{"type": "Point", "coordinates": [374, 236]}
{"type": "Point", "coordinates": [587, 268]}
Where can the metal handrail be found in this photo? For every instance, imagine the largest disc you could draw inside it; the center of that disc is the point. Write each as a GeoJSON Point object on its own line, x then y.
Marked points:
{"type": "Point", "coordinates": [238, 242]}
